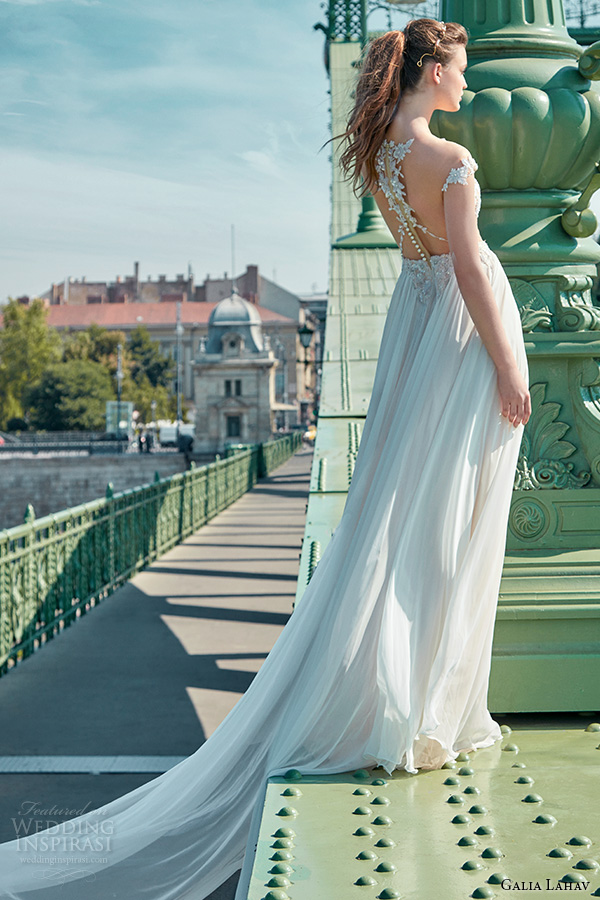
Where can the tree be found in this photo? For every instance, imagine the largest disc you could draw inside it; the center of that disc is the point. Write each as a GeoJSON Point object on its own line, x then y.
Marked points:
{"type": "Point", "coordinates": [148, 359]}
{"type": "Point", "coordinates": [27, 346]}
{"type": "Point", "coordinates": [71, 396]}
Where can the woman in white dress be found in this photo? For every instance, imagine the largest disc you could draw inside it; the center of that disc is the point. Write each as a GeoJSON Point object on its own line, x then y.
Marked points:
{"type": "Point", "coordinates": [386, 659]}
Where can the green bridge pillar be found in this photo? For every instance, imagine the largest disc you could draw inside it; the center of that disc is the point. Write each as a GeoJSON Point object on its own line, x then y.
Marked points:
{"type": "Point", "coordinates": [531, 118]}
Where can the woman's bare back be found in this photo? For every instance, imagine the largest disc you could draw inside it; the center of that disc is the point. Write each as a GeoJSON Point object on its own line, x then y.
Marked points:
{"type": "Point", "coordinates": [413, 174]}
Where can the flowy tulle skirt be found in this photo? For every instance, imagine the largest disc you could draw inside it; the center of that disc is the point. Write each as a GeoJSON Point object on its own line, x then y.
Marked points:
{"type": "Point", "coordinates": [385, 661]}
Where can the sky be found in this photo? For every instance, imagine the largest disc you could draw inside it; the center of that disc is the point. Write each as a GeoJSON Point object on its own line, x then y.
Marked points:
{"type": "Point", "coordinates": [144, 129]}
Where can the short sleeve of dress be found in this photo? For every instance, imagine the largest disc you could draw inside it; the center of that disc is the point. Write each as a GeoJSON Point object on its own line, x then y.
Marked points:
{"type": "Point", "coordinates": [460, 174]}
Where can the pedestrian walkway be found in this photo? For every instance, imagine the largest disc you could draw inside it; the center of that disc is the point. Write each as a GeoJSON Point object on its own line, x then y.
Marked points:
{"type": "Point", "coordinates": [143, 679]}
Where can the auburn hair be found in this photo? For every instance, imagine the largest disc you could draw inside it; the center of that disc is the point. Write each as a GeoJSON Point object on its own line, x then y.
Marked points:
{"type": "Point", "coordinates": [391, 64]}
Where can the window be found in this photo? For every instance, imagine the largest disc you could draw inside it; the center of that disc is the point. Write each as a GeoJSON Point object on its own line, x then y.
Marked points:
{"type": "Point", "coordinates": [233, 426]}
{"type": "Point", "coordinates": [228, 388]}
{"type": "Point", "coordinates": [238, 387]}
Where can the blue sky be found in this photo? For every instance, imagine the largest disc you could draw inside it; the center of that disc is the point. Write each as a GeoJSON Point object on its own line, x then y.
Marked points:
{"type": "Point", "coordinates": [142, 130]}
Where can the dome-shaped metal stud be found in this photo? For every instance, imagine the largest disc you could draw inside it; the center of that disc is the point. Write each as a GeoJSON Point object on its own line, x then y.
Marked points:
{"type": "Point", "coordinates": [593, 726]}
{"type": "Point", "coordinates": [492, 853]}
{"type": "Point", "coordinates": [449, 765]}
{"type": "Point", "coordinates": [482, 893]}
{"type": "Point", "coordinates": [367, 854]}
{"type": "Point", "coordinates": [452, 779]}
{"type": "Point", "coordinates": [360, 774]}
{"type": "Point", "coordinates": [587, 864]}
{"type": "Point", "coordinates": [580, 840]}
{"type": "Point", "coordinates": [284, 833]}
{"type": "Point", "coordinates": [518, 765]}
{"type": "Point", "coordinates": [463, 757]}
{"type": "Point", "coordinates": [381, 801]}
{"type": "Point", "coordinates": [524, 779]}
{"type": "Point", "coordinates": [382, 820]}
{"type": "Point", "coordinates": [485, 829]}
{"type": "Point", "coordinates": [365, 880]}
{"type": "Point", "coordinates": [561, 853]}
{"type": "Point", "coordinates": [573, 877]}
{"type": "Point", "coordinates": [388, 894]}
{"type": "Point", "coordinates": [293, 775]}
{"type": "Point", "coordinates": [467, 841]}
{"type": "Point", "coordinates": [386, 867]}
{"type": "Point", "coordinates": [362, 811]}
{"type": "Point", "coordinates": [364, 831]}
{"type": "Point", "coordinates": [505, 729]}
{"type": "Point", "coordinates": [281, 868]}
{"type": "Point", "coordinates": [379, 781]}
{"type": "Point", "coordinates": [288, 811]}
{"type": "Point", "coordinates": [510, 748]}
{"type": "Point", "coordinates": [291, 792]}
{"type": "Point", "coordinates": [461, 819]}
{"type": "Point", "coordinates": [279, 881]}
{"type": "Point", "coordinates": [544, 819]}
{"type": "Point", "coordinates": [471, 865]}
{"type": "Point", "coordinates": [281, 854]}
{"type": "Point", "coordinates": [277, 895]}
{"type": "Point", "coordinates": [361, 792]}
{"type": "Point", "coordinates": [385, 842]}
{"type": "Point", "coordinates": [466, 770]}
{"type": "Point", "coordinates": [478, 810]}
{"type": "Point", "coordinates": [497, 878]}
{"type": "Point", "coordinates": [532, 798]}
{"type": "Point", "coordinates": [455, 798]}
{"type": "Point", "coordinates": [282, 844]}
{"type": "Point", "coordinates": [471, 789]}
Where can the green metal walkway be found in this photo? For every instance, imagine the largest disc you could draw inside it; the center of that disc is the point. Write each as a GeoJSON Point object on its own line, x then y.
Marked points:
{"type": "Point", "coordinates": [521, 815]}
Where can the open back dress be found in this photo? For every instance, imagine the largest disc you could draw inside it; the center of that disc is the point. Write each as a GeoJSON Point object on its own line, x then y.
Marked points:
{"type": "Point", "coordinates": [386, 659]}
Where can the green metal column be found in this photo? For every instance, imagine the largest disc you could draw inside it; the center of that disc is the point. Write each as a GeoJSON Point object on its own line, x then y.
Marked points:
{"type": "Point", "coordinates": [531, 118]}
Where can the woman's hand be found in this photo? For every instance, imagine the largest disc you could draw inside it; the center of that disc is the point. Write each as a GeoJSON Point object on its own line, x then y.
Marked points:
{"type": "Point", "coordinates": [514, 396]}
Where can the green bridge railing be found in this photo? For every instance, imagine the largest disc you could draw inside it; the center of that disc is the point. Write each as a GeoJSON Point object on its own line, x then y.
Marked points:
{"type": "Point", "coordinates": [55, 568]}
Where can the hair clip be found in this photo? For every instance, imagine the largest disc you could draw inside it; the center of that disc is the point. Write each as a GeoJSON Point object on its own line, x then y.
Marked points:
{"type": "Point", "coordinates": [435, 46]}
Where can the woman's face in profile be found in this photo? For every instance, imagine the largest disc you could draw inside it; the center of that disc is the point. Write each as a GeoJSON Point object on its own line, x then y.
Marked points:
{"type": "Point", "coordinates": [452, 80]}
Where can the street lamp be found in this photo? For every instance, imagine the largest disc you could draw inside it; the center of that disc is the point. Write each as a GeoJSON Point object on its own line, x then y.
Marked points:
{"type": "Point", "coordinates": [305, 334]}
{"type": "Point", "coordinates": [178, 336]}
{"type": "Point", "coordinates": [119, 377]}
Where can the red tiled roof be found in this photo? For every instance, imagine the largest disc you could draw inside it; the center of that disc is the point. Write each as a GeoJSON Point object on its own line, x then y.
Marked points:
{"type": "Point", "coordinates": [118, 315]}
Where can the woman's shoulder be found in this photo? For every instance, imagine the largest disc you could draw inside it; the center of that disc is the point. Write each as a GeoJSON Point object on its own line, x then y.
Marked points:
{"type": "Point", "coordinates": [451, 153]}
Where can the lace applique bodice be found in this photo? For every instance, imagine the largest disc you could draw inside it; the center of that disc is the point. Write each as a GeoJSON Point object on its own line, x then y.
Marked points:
{"type": "Point", "coordinates": [390, 180]}
{"type": "Point", "coordinates": [431, 277]}
{"type": "Point", "coordinates": [431, 272]}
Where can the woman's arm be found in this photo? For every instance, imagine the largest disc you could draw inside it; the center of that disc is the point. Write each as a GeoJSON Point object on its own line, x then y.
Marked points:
{"type": "Point", "coordinates": [463, 240]}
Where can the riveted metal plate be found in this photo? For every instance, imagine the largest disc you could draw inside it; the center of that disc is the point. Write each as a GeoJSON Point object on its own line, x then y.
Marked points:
{"type": "Point", "coordinates": [396, 837]}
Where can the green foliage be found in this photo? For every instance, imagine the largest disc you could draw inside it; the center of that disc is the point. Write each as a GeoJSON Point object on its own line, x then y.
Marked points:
{"type": "Point", "coordinates": [62, 382]}
{"type": "Point", "coordinates": [27, 347]}
{"type": "Point", "coordinates": [148, 359]}
{"type": "Point", "coordinates": [71, 396]}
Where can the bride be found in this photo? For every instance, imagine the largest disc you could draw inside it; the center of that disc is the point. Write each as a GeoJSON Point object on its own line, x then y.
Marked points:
{"type": "Point", "coordinates": [386, 659]}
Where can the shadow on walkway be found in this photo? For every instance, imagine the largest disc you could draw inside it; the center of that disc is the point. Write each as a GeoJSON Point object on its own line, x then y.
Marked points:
{"type": "Point", "coordinates": [154, 668]}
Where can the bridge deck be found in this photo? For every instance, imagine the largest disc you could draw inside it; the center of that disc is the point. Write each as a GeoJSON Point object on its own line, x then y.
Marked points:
{"type": "Point", "coordinates": [519, 814]}
{"type": "Point", "coordinates": [141, 680]}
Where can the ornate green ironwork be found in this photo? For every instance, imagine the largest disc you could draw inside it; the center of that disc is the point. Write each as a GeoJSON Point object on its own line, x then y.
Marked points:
{"type": "Point", "coordinates": [54, 569]}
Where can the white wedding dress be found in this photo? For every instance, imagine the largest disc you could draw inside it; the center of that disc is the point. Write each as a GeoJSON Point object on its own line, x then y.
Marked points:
{"type": "Point", "coordinates": [386, 659]}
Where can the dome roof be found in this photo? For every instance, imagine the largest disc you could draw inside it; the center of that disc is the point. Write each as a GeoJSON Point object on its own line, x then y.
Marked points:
{"type": "Point", "coordinates": [234, 311]}
{"type": "Point", "coordinates": [234, 314]}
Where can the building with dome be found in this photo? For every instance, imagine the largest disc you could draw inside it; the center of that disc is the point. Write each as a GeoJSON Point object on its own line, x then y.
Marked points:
{"type": "Point", "coordinates": [234, 379]}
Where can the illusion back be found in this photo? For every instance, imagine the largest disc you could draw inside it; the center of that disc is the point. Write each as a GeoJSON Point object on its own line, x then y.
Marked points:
{"type": "Point", "coordinates": [391, 181]}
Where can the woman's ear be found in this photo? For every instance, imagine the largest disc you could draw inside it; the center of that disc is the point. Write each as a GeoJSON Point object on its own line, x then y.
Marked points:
{"type": "Point", "coordinates": [436, 72]}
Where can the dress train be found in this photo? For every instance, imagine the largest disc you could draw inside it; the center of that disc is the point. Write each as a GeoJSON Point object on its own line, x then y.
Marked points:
{"type": "Point", "coordinates": [386, 659]}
